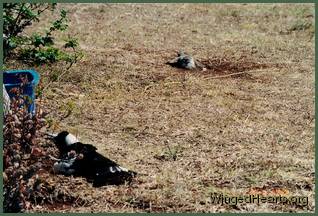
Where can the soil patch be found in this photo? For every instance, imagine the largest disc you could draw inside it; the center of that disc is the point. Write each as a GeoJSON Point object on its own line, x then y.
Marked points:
{"type": "Point", "coordinates": [226, 66]}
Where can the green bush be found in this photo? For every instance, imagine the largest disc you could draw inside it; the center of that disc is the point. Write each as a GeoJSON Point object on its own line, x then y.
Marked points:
{"type": "Point", "coordinates": [38, 48]}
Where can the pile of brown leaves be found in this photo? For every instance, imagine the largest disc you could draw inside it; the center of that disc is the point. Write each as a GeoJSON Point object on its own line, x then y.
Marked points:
{"type": "Point", "coordinates": [21, 134]}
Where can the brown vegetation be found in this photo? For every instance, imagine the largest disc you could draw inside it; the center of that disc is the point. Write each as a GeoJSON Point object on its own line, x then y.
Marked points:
{"type": "Point", "coordinates": [189, 133]}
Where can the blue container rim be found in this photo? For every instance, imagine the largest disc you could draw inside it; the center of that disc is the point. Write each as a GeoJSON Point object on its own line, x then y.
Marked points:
{"type": "Point", "coordinates": [36, 76]}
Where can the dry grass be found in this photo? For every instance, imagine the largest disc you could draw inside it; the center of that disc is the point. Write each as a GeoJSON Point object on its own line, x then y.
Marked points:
{"type": "Point", "coordinates": [190, 133]}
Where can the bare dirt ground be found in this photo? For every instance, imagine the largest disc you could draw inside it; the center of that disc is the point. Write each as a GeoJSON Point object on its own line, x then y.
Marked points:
{"type": "Point", "coordinates": [190, 133]}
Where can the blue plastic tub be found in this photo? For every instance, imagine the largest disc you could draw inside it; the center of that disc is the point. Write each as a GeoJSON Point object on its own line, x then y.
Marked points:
{"type": "Point", "coordinates": [12, 79]}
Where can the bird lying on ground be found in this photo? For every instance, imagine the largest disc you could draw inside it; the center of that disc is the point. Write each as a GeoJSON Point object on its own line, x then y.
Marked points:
{"type": "Point", "coordinates": [186, 61]}
{"type": "Point", "coordinates": [80, 159]}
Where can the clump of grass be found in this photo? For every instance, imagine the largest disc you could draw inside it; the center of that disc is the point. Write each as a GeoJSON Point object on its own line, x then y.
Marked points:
{"type": "Point", "coordinates": [170, 153]}
{"type": "Point", "coordinates": [68, 108]}
{"type": "Point", "coordinates": [301, 25]}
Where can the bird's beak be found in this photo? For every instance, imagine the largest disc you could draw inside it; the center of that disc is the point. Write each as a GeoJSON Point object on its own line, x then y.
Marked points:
{"type": "Point", "coordinates": [50, 136]}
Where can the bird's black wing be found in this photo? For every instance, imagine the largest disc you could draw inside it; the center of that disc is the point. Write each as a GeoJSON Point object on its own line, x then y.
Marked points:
{"type": "Point", "coordinates": [95, 167]}
{"type": "Point", "coordinates": [81, 148]}
{"type": "Point", "coordinates": [107, 171]}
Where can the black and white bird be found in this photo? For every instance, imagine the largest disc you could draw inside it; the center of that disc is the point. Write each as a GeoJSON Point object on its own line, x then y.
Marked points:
{"type": "Point", "coordinates": [186, 61]}
{"type": "Point", "coordinates": [81, 159]}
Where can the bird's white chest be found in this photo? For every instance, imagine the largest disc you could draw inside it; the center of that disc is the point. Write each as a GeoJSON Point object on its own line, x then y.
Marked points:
{"type": "Point", "coordinates": [70, 139]}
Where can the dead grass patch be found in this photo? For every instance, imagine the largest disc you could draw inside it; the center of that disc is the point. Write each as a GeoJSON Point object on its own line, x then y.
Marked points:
{"type": "Point", "coordinates": [227, 66]}
{"type": "Point", "coordinates": [250, 130]}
